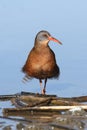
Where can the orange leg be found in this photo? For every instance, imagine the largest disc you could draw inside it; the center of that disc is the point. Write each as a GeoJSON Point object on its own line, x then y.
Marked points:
{"type": "Point", "coordinates": [41, 86]}
{"type": "Point", "coordinates": [44, 89]}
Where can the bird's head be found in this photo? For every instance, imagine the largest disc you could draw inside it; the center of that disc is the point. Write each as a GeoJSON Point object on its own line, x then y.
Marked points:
{"type": "Point", "coordinates": [43, 38]}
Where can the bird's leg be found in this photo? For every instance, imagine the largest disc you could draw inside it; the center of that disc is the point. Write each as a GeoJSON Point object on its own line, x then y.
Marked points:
{"type": "Point", "coordinates": [44, 89]}
{"type": "Point", "coordinates": [41, 85]}
{"type": "Point", "coordinates": [40, 82]}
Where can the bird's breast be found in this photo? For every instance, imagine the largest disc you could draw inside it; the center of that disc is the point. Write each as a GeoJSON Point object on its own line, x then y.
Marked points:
{"type": "Point", "coordinates": [42, 61]}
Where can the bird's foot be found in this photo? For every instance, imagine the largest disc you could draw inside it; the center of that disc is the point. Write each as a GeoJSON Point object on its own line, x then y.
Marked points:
{"type": "Point", "coordinates": [43, 91]}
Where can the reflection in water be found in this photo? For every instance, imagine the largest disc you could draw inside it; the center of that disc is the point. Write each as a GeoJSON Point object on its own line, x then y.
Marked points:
{"type": "Point", "coordinates": [60, 123]}
{"type": "Point", "coordinates": [7, 128]}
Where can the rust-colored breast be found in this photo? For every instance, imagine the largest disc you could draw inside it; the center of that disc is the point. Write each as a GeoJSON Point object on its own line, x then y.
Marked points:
{"type": "Point", "coordinates": [41, 63]}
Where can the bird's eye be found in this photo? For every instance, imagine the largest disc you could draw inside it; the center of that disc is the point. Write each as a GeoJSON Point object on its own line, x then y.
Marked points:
{"type": "Point", "coordinates": [45, 36]}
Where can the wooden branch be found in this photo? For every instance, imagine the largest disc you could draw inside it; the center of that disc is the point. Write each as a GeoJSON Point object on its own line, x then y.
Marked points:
{"type": "Point", "coordinates": [29, 101]}
{"type": "Point", "coordinates": [37, 94]}
{"type": "Point", "coordinates": [24, 94]}
{"type": "Point", "coordinates": [19, 103]}
{"type": "Point", "coordinates": [42, 109]}
{"type": "Point", "coordinates": [61, 102]}
{"type": "Point", "coordinates": [64, 127]}
{"type": "Point", "coordinates": [56, 108]}
{"type": "Point", "coordinates": [9, 97]}
{"type": "Point", "coordinates": [16, 119]}
{"type": "Point", "coordinates": [77, 99]}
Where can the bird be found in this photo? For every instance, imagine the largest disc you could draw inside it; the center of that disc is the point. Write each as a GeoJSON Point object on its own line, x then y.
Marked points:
{"type": "Point", "coordinates": [41, 62]}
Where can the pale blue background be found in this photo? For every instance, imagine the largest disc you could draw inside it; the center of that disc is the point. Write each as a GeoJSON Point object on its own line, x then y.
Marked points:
{"type": "Point", "coordinates": [66, 20]}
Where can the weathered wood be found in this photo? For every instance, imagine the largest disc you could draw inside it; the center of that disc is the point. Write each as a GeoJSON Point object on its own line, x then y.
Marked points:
{"type": "Point", "coordinates": [38, 103]}
{"type": "Point", "coordinates": [28, 112]}
{"type": "Point", "coordinates": [26, 99]}
{"type": "Point", "coordinates": [61, 102]}
{"type": "Point", "coordinates": [16, 119]}
{"type": "Point", "coordinates": [30, 101]}
{"type": "Point", "coordinates": [9, 97]}
{"type": "Point", "coordinates": [38, 94]}
{"type": "Point", "coordinates": [60, 107]}
{"type": "Point", "coordinates": [42, 109]}
{"type": "Point", "coordinates": [63, 127]}
{"type": "Point", "coordinates": [75, 99]}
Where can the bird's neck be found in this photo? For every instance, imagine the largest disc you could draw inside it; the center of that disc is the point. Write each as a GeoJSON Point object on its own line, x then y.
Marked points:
{"type": "Point", "coordinates": [40, 44]}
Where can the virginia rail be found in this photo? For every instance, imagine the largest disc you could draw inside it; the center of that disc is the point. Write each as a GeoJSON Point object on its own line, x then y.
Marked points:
{"type": "Point", "coordinates": [41, 62]}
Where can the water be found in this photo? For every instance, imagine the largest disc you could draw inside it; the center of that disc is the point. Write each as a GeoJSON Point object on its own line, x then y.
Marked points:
{"type": "Point", "coordinates": [19, 23]}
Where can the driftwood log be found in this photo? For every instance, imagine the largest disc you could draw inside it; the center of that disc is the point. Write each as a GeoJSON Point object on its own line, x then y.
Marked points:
{"type": "Point", "coordinates": [34, 103]}
{"type": "Point", "coordinates": [45, 109]}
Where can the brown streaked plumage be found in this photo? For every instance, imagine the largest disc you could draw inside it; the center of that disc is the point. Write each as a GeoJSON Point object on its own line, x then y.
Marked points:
{"type": "Point", "coordinates": [41, 62]}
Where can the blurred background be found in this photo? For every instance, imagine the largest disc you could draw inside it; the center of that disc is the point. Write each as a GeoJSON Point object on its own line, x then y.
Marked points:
{"type": "Point", "coordinates": [20, 20]}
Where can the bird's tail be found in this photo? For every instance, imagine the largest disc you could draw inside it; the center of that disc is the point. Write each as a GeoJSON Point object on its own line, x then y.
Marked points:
{"type": "Point", "coordinates": [26, 78]}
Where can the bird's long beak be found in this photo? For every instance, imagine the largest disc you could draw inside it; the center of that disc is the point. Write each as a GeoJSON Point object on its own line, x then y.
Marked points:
{"type": "Point", "coordinates": [54, 39]}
